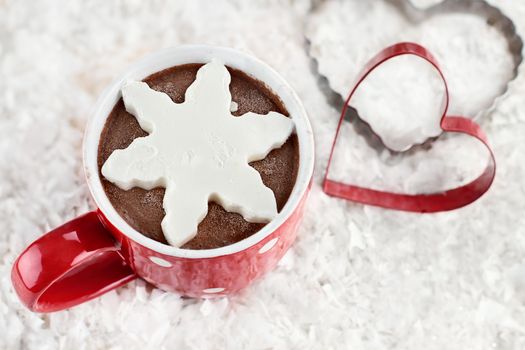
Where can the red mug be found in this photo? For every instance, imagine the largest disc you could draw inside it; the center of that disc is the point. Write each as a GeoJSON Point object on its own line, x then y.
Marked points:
{"type": "Point", "coordinates": [99, 251]}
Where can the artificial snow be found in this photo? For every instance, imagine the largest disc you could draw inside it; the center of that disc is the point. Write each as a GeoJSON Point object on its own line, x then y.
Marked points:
{"type": "Point", "coordinates": [358, 277]}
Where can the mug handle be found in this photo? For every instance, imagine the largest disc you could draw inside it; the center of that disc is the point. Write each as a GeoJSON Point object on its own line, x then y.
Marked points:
{"type": "Point", "coordinates": [69, 265]}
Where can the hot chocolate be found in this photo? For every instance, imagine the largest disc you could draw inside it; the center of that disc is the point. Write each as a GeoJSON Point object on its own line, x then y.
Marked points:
{"type": "Point", "coordinates": [143, 209]}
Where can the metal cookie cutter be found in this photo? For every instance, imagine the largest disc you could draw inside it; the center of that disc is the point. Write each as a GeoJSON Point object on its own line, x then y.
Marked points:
{"type": "Point", "coordinates": [422, 203]}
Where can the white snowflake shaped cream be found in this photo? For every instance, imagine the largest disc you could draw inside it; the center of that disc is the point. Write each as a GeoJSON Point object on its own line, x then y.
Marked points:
{"type": "Point", "coordinates": [199, 152]}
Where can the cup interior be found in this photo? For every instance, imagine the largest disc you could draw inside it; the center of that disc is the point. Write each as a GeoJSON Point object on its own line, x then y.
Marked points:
{"type": "Point", "coordinates": [167, 58]}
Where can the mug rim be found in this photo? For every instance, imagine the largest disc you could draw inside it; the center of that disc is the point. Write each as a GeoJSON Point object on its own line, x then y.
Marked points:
{"type": "Point", "coordinates": [162, 59]}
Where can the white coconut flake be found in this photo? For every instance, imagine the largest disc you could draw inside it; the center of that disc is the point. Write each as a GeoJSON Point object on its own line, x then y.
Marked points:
{"type": "Point", "coordinates": [57, 56]}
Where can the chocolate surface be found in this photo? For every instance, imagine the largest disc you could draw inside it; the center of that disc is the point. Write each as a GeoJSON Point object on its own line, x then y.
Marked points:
{"type": "Point", "coordinates": [143, 210]}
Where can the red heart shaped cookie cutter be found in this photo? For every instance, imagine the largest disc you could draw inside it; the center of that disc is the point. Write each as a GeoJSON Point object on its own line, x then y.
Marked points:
{"type": "Point", "coordinates": [422, 203]}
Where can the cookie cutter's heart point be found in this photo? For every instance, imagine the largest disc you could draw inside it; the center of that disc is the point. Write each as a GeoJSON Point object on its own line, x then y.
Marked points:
{"type": "Point", "coordinates": [423, 203]}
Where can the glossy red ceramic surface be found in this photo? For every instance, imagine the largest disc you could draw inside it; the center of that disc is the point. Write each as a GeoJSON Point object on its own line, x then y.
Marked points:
{"type": "Point", "coordinates": [99, 251]}
{"type": "Point", "coordinates": [210, 276]}
{"type": "Point", "coordinates": [69, 265]}
{"type": "Point", "coordinates": [88, 256]}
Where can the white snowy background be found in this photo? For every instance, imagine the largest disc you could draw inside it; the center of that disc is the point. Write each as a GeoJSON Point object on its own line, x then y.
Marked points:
{"type": "Point", "coordinates": [358, 277]}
